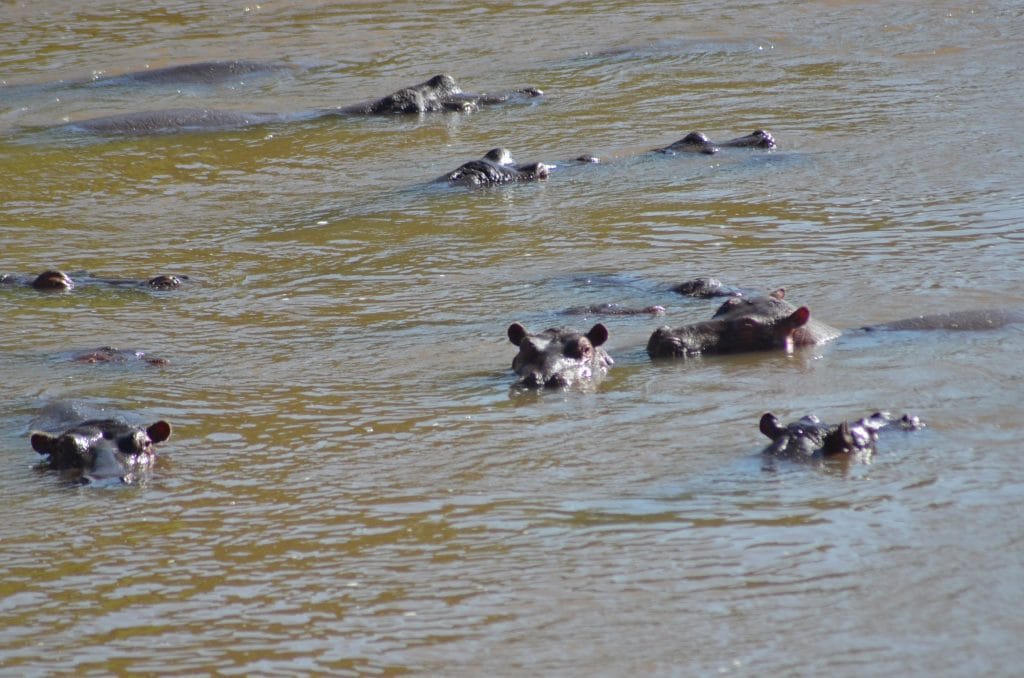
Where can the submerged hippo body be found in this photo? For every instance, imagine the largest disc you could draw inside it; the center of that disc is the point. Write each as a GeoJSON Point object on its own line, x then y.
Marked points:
{"type": "Point", "coordinates": [613, 309]}
{"type": "Point", "coordinates": [770, 322]}
{"type": "Point", "coordinates": [172, 120]}
{"type": "Point", "coordinates": [58, 281]}
{"type": "Point", "coordinates": [697, 142]}
{"type": "Point", "coordinates": [111, 355]}
{"type": "Point", "coordinates": [809, 438]}
{"type": "Point", "coordinates": [202, 73]}
{"type": "Point", "coordinates": [439, 93]}
{"type": "Point", "coordinates": [558, 357]}
{"type": "Point", "coordinates": [101, 449]}
{"type": "Point", "coordinates": [495, 168]}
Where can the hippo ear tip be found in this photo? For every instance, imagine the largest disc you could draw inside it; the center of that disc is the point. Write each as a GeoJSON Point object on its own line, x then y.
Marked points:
{"type": "Point", "coordinates": [159, 432]}
{"type": "Point", "coordinates": [41, 442]}
{"type": "Point", "coordinates": [516, 333]}
{"type": "Point", "coordinates": [598, 334]}
{"type": "Point", "coordinates": [769, 425]}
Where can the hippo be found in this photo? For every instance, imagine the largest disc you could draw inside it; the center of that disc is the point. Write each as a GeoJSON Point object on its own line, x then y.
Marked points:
{"type": "Point", "coordinates": [558, 357]}
{"type": "Point", "coordinates": [808, 438]}
{"type": "Point", "coordinates": [101, 449]}
{"type": "Point", "coordinates": [706, 288]}
{"type": "Point", "coordinates": [740, 324]}
{"type": "Point", "coordinates": [111, 355]}
{"type": "Point", "coordinates": [770, 322]}
{"type": "Point", "coordinates": [59, 281]}
{"type": "Point", "coordinates": [613, 309]}
{"type": "Point", "coordinates": [697, 142]}
{"type": "Point", "coordinates": [496, 167]}
{"type": "Point", "coordinates": [439, 93]}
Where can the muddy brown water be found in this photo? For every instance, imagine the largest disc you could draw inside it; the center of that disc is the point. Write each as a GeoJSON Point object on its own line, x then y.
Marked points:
{"type": "Point", "coordinates": [351, 488]}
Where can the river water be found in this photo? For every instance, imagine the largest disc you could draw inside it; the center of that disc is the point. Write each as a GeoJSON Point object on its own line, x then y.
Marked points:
{"type": "Point", "coordinates": [351, 487]}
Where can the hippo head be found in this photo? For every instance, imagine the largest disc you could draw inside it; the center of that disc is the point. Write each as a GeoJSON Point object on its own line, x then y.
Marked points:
{"type": "Point", "coordinates": [808, 437]}
{"type": "Point", "coordinates": [165, 282]}
{"type": "Point", "coordinates": [705, 288]}
{"type": "Point", "coordinates": [558, 357]}
{"type": "Point", "coordinates": [53, 281]}
{"type": "Point", "coordinates": [794, 326]}
{"type": "Point", "coordinates": [759, 138]}
{"type": "Point", "coordinates": [740, 325]}
{"type": "Point", "coordinates": [694, 142]}
{"type": "Point", "coordinates": [101, 448]}
{"type": "Point", "coordinates": [496, 167]}
{"type": "Point", "coordinates": [801, 439]}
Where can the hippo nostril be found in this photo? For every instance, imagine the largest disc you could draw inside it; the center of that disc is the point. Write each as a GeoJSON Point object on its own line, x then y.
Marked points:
{"type": "Point", "coordinates": [557, 381]}
{"type": "Point", "coordinates": [531, 381]}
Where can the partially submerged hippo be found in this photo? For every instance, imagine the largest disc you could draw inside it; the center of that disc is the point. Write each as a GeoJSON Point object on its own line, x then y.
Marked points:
{"type": "Point", "coordinates": [201, 73]}
{"type": "Point", "coordinates": [706, 288]}
{"type": "Point", "coordinates": [558, 357]}
{"type": "Point", "coordinates": [697, 142]}
{"type": "Point", "coordinates": [809, 438]}
{"type": "Point", "coordinates": [770, 322]}
{"type": "Point", "coordinates": [111, 355]}
{"type": "Point", "coordinates": [496, 167]}
{"type": "Point", "coordinates": [101, 449]}
{"type": "Point", "coordinates": [740, 324]}
{"type": "Point", "coordinates": [439, 93]}
{"type": "Point", "coordinates": [613, 309]}
{"type": "Point", "coordinates": [58, 281]}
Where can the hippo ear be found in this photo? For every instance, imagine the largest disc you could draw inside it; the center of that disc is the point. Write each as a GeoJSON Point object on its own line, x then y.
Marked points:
{"type": "Point", "coordinates": [43, 443]}
{"type": "Point", "coordinates": [516, 333]}
{"type": "Point", "coordinates": [799, 317]}
{"type": "Point", "coordinates": [779, 294]}
{"type": "Point", "coordinates": [598, 334]}
{"type": "Point", "coordinates": [770, 425]}
{"type": "Point", "coordinates": [159, 432]}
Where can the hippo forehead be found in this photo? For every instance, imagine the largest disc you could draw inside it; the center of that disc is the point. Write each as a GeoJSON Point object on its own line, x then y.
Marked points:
{"type": "Point", "coordinates": [803, 437]}
{"type": "Point", "coordinates": [556, 342]}
{"type": "Point", "coordinates": [766, 306]}
{"type": "Point", "coordinates": [443, 83]}
{"type": "Point", "coordinates": [53, 280]}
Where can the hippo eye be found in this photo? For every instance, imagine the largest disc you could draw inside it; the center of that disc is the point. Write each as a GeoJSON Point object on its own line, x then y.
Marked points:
{"type": "Point", "coordinates": [74, 445]}
{"type": "Point", "coordinates": [581, 349]}
{"type": "Point", "coordinates": [136, 443]}
{"type": "Point", "coordinates": [527, 348]}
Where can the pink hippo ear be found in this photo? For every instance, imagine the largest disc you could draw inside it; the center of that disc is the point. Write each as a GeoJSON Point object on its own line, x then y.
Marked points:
{"type": "Point", "coordinates": [516, 333]}
{"type": "Point", "coordinates": [159, 432]}
{"type": "Point", "coordinates": [799, 317]}
{"type": "Point", "coordinates": [598, 334]}
{"type": "Point", "coordinates": [43, 443]}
